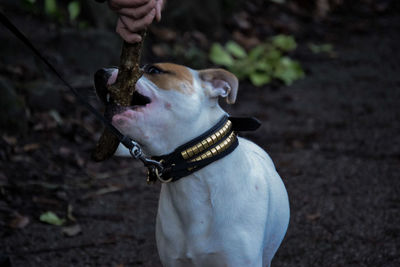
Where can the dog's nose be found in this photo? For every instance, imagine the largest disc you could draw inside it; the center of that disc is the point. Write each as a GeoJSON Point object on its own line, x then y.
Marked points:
{"type": "Point", "coordinates": [101, 78]}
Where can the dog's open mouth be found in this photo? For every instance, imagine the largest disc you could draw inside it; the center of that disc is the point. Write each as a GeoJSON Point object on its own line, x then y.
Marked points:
{"type": "Point", "coordinates": [139, 100]}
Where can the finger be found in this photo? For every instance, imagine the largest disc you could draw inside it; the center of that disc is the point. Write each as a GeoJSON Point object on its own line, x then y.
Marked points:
{"type": "Point", "coordinates": [127, 3]}
{"type": "Point", "coordinates": [138, 12]}
{"type": "Point", "coordinates": [126, 34]}
{"type": "Point", "coordinates": [159, 6]}
{"type": "Point", "coordinates": [138, 25]}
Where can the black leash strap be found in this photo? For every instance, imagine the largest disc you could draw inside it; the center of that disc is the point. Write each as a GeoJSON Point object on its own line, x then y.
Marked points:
{"type": "Point", "coordinates": [155, 167]}
{"type": "Point", "coordinates": [10, 26]}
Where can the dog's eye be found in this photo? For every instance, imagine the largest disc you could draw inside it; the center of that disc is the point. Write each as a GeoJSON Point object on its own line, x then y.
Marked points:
{"type": "Point", "coordinates": [151, 69]}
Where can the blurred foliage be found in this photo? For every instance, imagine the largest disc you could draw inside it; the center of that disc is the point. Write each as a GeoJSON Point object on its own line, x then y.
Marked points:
{"type": "Point", "coordinates": [321, 48]}
{"type": "Point", "coordinates": [263, 63]}
{"type": "Point", "coordinates": [74, 8]}
{"type": "Point", "coordinates": [59, 10]}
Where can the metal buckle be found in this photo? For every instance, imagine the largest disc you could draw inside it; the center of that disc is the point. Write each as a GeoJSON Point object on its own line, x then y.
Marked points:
{"type": "Point", "coordinates": [153, 165]}
{"type": "Point", "coordinates": [136, 152]}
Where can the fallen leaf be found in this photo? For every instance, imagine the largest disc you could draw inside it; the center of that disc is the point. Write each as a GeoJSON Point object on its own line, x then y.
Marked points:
{"type": "Point", "coordinates": [19, 158]}
{"type": "Point", "coordinates": [56, 116]}
{"type": "Point", "coordinates": [11, 140]}
{"type": "Point", "coordinates": [51, 218]}
{"type": "Point", "coordinates": [31, 147]}
{"type": "Point", "coordinates": [69, 213]}
{"type": "Point", "coordinates": [241, 20]}
{"type": "Point", "coordinates": [103, 191]}
{"type": "Point", "coordinates": [64, 151]}
{"type": "Point", "coordinates": [19, 221]}
{"type": "Point", "coordinates": [313, 216]}
{"type": "Point", "coordinates": [79, 160]}
{"type": "Point", "coordinates": [72, 230]}
{"type": "Point", "coordinates": [38, 127]}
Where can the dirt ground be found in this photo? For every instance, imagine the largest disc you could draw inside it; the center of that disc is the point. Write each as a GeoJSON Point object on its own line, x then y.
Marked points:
{"type": "Point", "coordinates": [334, 137]}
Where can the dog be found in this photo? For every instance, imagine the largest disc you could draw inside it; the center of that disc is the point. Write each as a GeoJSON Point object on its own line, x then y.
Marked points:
{"type": "Point", "coordinates": [234, 211]}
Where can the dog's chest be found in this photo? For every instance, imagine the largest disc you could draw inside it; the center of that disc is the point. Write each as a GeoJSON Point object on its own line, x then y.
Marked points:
{"type": "Point", "coordinates": [185, 211]}
{"type": "Point", "coordinates": [187, 220]}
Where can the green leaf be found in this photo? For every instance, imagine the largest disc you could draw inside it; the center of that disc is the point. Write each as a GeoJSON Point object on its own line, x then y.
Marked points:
{"type": "Point", "coordinates": [273, 56]}
{"type": "Point", "coordinates": [257, 52]}
{"type": "Point", "coordinates": [288, 71]}
{"type": "Point", "coordinates": [50, 7]}
{"type": "Point", "coordinates": [74, 9]}
{"type": "Point", "coordinates": [235, 49]}
{"type": "Point", "coordinates": [263, 66]}
{"type": "Point", "coordinates": [51, 218]}
{"type": "Point", "coordinates": [259, 78]}
{"type": "Point", "coordinates": [218, 55]}
{"type": "Point", "coordinates": [284, 42]}
{"type": "Point", "coordinates": [242, 68]}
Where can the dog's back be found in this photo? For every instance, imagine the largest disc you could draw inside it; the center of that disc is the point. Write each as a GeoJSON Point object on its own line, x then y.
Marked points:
{"type": "Point", "coordinates": [234, 212]}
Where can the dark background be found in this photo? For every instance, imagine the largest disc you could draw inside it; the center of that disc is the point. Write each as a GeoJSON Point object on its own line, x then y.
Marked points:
{"type": "Point", "coordinates": [334, 135]}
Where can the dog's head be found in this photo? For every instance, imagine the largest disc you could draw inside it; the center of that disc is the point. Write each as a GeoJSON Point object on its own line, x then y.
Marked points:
{"type": "Point", "coordinates": [173, 104]}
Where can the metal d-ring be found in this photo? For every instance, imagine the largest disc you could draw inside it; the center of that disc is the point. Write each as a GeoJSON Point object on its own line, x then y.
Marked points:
{"type": "Point", "coordinates": [157, 166]}
{"type": "Point", "coordinates": [161, 179]}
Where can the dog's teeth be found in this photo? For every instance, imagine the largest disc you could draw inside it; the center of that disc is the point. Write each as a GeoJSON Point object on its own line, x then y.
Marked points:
{"type": "Point", "coordinates": [108, 98]}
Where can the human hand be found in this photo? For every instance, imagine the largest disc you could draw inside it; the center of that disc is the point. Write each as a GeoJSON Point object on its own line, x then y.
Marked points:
{"type": "Point", "coordinates": [135, 16]}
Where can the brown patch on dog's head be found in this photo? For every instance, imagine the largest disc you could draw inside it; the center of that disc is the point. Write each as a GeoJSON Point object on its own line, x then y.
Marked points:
{"type": "Point", "coordinates": [168, 76]}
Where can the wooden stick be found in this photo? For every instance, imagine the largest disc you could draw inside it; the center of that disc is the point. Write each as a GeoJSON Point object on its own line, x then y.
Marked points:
{"type": "Point", "coordinates": [121, 93]}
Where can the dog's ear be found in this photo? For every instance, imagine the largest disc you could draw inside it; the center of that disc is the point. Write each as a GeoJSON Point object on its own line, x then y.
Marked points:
{"type": "Point", "coordinates": [220, 82]}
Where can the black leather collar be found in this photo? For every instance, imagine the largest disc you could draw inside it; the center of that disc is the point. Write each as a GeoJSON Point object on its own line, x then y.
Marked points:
{"type": "Point", "coordinates": [169, 167]}
{"type": "Point", "coordinates": [210, 146]}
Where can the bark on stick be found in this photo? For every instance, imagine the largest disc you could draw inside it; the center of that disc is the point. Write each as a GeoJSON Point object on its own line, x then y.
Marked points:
{"type": "Point", "coordinates": [121, 93]}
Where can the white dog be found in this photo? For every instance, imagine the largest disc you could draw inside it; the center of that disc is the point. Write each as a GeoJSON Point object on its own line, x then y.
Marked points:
{"type": "Point", "coordinates": [234, 210]}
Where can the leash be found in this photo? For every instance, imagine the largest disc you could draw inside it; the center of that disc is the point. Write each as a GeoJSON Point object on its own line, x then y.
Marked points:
{"type": "Point", "coordinates": [210, 146]}
{"type": "Point", "coordinates": [133, 147]}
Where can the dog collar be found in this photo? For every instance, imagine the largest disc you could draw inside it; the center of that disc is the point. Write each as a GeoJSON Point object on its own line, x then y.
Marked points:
{"type": "Point", "coordinates": [170, 167]}
{"type": "Point", "coordinates": [203, 150]}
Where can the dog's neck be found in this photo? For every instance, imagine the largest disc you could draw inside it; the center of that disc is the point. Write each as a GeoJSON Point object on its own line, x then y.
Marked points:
{"type": "Point", "coordinates": [173, 137]}
{"type": "Point", "coordinates": [213, 144]}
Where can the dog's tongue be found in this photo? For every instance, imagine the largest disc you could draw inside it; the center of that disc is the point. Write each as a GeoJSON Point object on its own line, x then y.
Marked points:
{"type": "Point", "coordinates": [121, 95]}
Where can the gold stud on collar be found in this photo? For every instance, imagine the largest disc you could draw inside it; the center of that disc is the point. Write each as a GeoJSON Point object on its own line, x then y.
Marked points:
{"type": "Point", "coordinates": [208, 142]}
{"type": "Point", "coordinates": [218, 149]}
